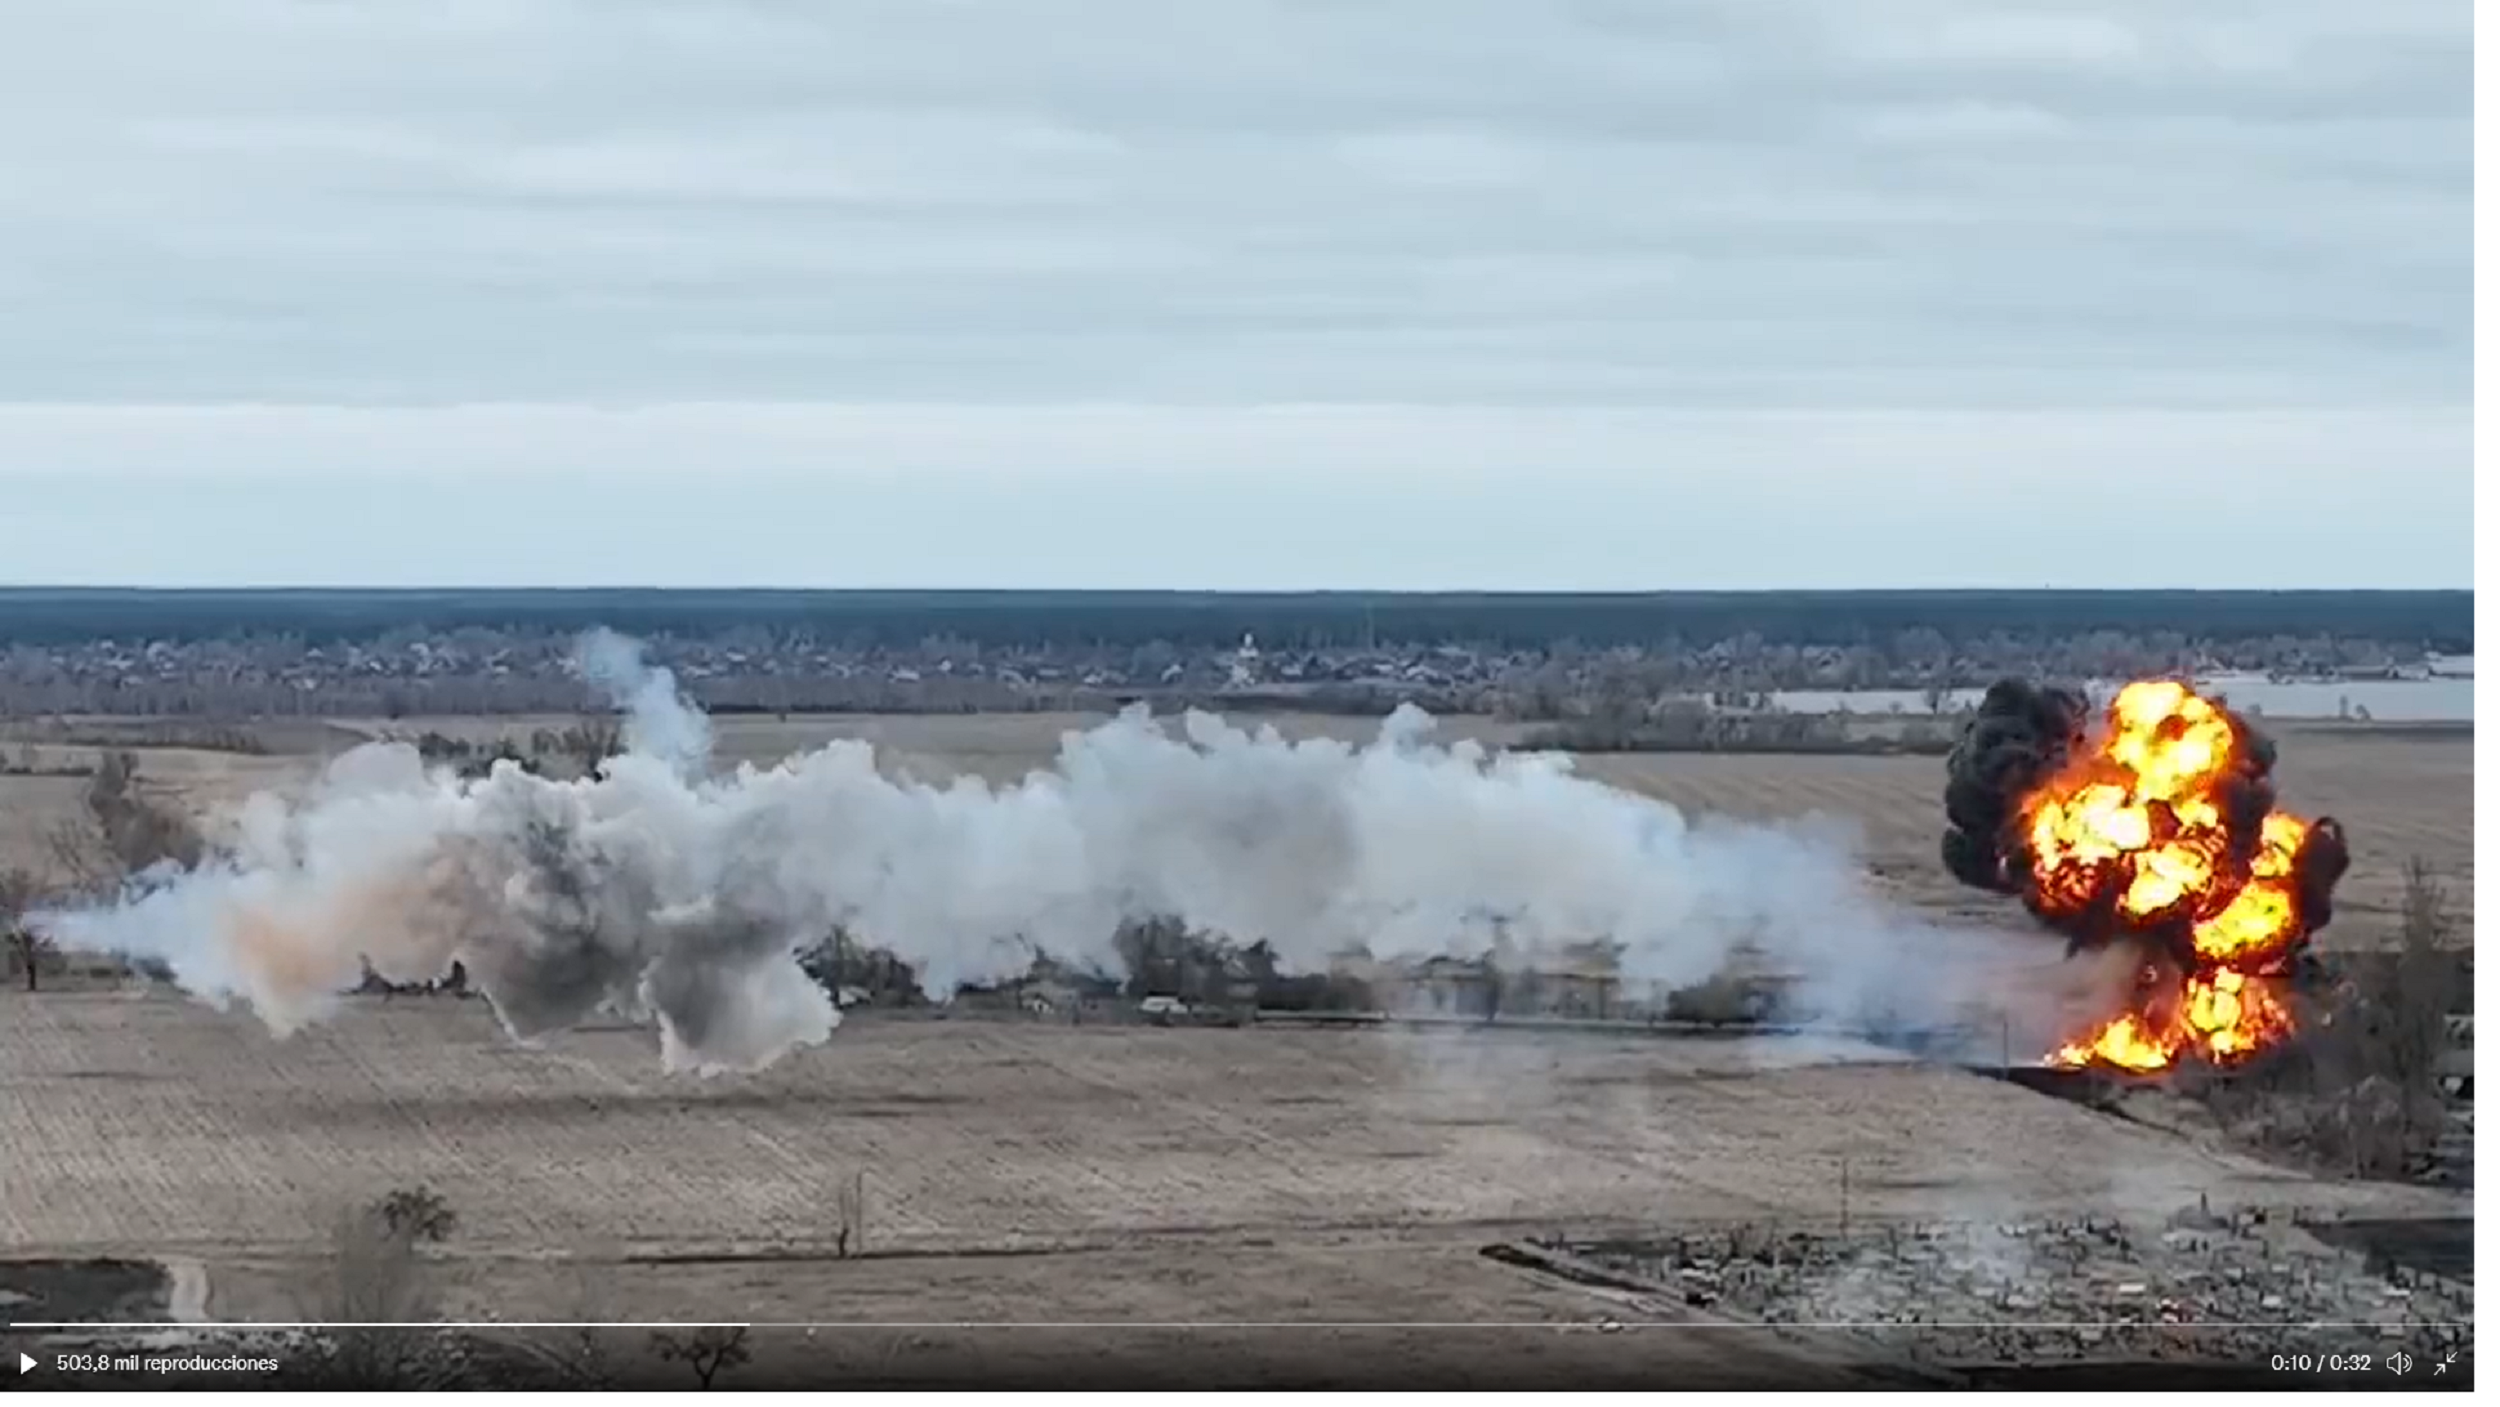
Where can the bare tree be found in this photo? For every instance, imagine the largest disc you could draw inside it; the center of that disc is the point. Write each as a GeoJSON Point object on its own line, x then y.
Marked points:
{"type": "Point", "coordinates": [18, 891]}
{"type": "Point", "coordinates": [124, 831]}
{"type": "Point", "coordinates": [138, 832]}
{"type": "Point", "coordinates": [372, 1293]}
{"type": "Point", "coordinates": [2414, 1002]}
{"type": "Point", "coordinates": [708, 1351]}
{"type": "Point", "coordinates": [373, 1272]}
{"type": "Point", "coordinates": [850, 1237]}
{"type": "Point", "coordinates": [2361, 1088]}
{"type": "Point", "coordinates": [588, 1360]}
{"type": "Point", "coordinates": [80, 857]}
{"type": "Point", "coordinates": [584, 745]}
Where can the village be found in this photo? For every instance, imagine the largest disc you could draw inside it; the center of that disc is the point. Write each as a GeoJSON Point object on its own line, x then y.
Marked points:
{"type": "Point", "coordinates": [409, 671]}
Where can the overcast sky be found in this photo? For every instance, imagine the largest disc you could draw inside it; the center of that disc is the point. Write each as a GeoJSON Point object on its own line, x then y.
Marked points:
{"type": "Point", "coordinates": [1237, 293]}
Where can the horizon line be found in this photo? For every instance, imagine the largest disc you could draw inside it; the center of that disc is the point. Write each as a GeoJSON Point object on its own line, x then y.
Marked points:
{"type": "Point", "coordinates": [1619, 593]}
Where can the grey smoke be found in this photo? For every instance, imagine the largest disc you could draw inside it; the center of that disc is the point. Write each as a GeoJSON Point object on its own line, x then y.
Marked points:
{"type": "Point", "coordinates": [657, 888]}
{"type": "Point", "coordinates": [657, 721]}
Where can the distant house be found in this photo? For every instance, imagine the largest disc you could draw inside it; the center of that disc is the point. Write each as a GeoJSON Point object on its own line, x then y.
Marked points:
{"type": "Point", "coordinates": [1043, 997]}
{"type": "Point", "coordinates": [1580, 981]}
{"type": "Point", "coordinates": [1450, 987]}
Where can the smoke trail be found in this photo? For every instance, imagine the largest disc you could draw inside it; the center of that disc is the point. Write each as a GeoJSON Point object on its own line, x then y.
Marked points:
{"type": "Point", "coordinates": [653, 888]}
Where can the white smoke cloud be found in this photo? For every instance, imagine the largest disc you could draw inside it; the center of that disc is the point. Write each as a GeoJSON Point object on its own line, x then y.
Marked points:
{"type": "Point", "coordinates": [658, 722]}
{"type": "Point", "coordinates": [656, 888]}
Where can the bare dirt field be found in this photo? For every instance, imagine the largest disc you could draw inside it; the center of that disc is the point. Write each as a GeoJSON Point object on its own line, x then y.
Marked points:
{"type": "Point", "coordinates": [152, 1123]}
{"type": "Point", "coordinates": [1040, 1173]}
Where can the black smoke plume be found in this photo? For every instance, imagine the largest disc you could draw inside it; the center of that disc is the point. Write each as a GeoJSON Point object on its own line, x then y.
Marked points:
{"type": "Point", "coordinates": [2022, 735]}
{"type": "Point", "coordinates": [2019, 737]}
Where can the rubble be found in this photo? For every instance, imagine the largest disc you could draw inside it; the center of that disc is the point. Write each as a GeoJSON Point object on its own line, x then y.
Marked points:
{"type": "Point", "coordinates": [2201, 1288]}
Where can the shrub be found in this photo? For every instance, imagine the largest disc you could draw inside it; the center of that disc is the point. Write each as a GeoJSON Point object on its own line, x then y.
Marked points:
{"type": "Point", "coordinates": [416, 1214]}
{"type": "Point", "coordinates": [707, 1352]}
{"type": "Point", "coordinates": [2360, 1088]}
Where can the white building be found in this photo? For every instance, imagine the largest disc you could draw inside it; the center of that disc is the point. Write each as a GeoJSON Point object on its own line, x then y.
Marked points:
{"type": "Point", "coordinates": [1245, 667]}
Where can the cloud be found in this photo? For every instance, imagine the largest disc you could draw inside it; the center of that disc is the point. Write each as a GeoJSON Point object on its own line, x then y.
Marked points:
{"type": "Point", "coordinates": [1787, 291]}
{"type": "Point", "coordinates": [1946, 203]}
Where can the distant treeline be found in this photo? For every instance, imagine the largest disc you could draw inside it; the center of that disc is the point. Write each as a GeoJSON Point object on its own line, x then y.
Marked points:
{"type": "Point", "coordinates": [2436, 620]}
{"type": "Point", "coordinates": [1784, 734]}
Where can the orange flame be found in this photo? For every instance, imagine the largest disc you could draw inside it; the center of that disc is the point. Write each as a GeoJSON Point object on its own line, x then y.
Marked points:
{"type": "Point", "coordinates": [2140, 823]}
{"type": "Point", "coordinates": [2223, 1017]}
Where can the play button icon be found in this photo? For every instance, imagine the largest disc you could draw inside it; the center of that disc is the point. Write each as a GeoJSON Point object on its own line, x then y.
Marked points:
{"type": "Point", "coordinates": [25, 1364]}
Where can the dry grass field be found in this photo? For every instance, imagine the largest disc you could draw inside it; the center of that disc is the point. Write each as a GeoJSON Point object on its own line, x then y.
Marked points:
{"type": "Point", "coordinates": [150, 1122]}
{"type": "Point", "coordinates": [146, 1124]}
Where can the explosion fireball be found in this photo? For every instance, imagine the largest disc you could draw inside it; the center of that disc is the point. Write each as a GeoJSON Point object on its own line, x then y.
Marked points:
{"type": "Point", "coordinates": [2156, 829]}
